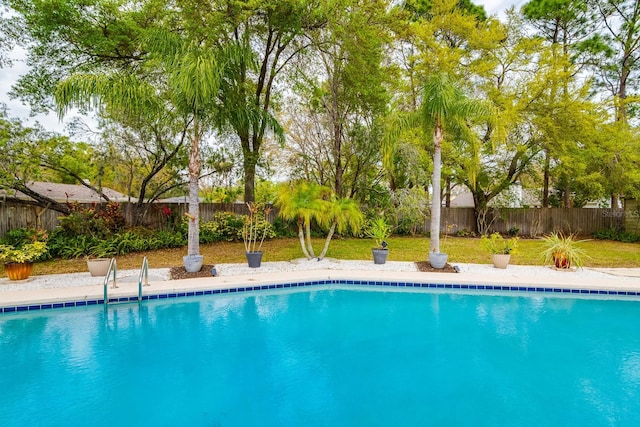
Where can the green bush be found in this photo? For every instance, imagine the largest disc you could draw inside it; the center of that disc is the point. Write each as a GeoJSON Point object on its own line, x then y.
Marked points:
{"type": "Point", "coordinates": [617, 235]}
{"type": "Point", "coordinates": [84, 233]}
{"type": "Point", "coordinates": [21, 236]}
{"type": "Point", "coordinates": [64, 246]}
{"type": "Point", "coordinates": [97, 221]}
{"type": "Point", "coordinates": [225, 226]}
{"type": "Point", "coordinates": [284, 228]}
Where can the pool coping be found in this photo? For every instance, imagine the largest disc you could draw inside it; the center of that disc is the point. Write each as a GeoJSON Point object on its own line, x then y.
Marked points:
{"type": "Point", "coordinates": [42, 299]}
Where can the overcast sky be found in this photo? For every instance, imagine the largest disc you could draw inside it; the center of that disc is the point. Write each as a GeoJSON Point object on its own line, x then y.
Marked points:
{"type": "Point", "coordinates": [8, 76]}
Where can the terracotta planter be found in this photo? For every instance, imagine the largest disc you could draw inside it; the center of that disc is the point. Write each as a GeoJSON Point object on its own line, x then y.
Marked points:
{"type": "Point", "coordinates": [500, 260]}
{"type": "Point", "coordinates": [18, 270]}
{"type": "Point", "coordinates": [98, 267]}
{"type": "Point", "coordinates": [562, 263]}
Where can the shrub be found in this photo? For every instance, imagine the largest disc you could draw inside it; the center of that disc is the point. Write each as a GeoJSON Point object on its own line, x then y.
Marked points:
{"type": "Point", "coordinates": [225, 226]}
{"type": "Point", "coordinates": [65, 246]}
{"type": "Point", "coordinates": [26, 241]}
{"type": "Point", "coordinates": [465, 233]}
{"type": "Point", "coordinates": [28, 252]}
{"type": "Point", "coordinates": [496, 244]}
{"type": "Point", "coordinates": [22, 236]}
{"type": "Point", "coordinates": [617, 235]}
{"type": "Point", "coordinates": [97, 221]}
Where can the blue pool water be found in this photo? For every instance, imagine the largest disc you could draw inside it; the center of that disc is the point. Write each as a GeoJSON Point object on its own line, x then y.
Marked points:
{"type": "Point", "coordinates": [327, 357]}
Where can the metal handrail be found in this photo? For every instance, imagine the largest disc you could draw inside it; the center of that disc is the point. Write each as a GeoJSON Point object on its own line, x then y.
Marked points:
{"type": "Point", "coordinates": [144, 274]}
{"type": "Point", "coordinates": [113, 267]}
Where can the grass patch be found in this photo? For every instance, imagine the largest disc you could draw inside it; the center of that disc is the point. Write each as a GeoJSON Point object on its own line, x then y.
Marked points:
{"type": "Point", "coordinates": [602, 253]}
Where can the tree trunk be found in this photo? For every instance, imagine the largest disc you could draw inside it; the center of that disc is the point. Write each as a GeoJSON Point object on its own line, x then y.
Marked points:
{"type": "Point", "coordinates": [194, 199]}
{"type": "Point", "coordinates": [311, 253]}
{"type": "Point", "coordinates": [545, 184]}
{"type": "Point", "coordinates": [337, 146]}
{"type": "Point", "coordinates": [40, 200]}
{"type": "Point", "coordinates": [249, 164]}
{"type": "Point", "coordinates": [447, 200]}
{"type": "Point", "coordinates": [301, 237]}
{"type": "Point", "coordinates": [435, 183]}
{"type": "Point", "coordinates": [615, 200]}
{"type": "Point", "coordinates": [328, 240]}
{"type": "Point", "coordinates": [567, 194]}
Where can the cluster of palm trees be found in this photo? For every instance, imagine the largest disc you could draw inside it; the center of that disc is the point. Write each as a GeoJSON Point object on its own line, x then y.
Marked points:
{"type": "Point", "coordinates": [306, 202]}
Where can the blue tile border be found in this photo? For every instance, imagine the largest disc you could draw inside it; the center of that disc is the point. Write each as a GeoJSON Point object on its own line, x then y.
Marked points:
{"type": "Point", "coordinates": [395, 284]}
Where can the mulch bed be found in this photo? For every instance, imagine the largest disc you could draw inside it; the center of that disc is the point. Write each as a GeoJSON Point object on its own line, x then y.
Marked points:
{"type": "Point", "coordinates": [425, 267]}
{"type": "Point", "coordinates": [177, 273]}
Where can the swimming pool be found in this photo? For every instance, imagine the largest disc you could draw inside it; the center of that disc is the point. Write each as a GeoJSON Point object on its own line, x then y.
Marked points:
{"type": "Point", "coordinates": [326, 356]}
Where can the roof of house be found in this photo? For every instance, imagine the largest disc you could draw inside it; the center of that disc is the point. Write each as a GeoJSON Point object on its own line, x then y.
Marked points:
{"type": "Point", "coordinates": [462, 200]}
{"type": "Point", "coordinates": [527, 197]}
{"type": "Point", "coordinates": [67, 193]}
{"type": "Point", "coordinates": [178, 199]}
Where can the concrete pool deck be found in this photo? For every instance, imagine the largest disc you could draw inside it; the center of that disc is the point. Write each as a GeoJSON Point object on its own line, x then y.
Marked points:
{"type": "Point", "coordinates": [603, 280]}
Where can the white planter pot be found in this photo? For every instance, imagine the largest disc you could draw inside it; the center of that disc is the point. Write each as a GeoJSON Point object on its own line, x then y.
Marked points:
{"type": "Point", "coordinates": [500, 260]}
{"type": "Point", "coordinates": [192, 263]}
{"type": "Point", "coordinates": [98, 267]}
{"type": "Point", "coordinates": [438, 259]}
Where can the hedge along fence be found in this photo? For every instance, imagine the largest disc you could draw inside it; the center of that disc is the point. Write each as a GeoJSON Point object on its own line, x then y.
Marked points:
{"type": "Point", "coordinates": [159, 216]}
{"type": "Point", "coordinates": [632, 216]}
{"type": "Point", "coordinates": [533, 221]}
{"type": "Point", "coordinates": [528, 221]}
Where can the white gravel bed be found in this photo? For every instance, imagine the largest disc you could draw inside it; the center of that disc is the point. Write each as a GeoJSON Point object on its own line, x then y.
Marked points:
{"type": "Point", "coordinates": [155, 274]}
{"type": "Point", "coordinates": [76, 279]}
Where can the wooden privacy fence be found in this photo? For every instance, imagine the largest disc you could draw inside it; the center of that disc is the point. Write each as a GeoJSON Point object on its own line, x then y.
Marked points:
{"type": "Point", "coordinates": [157, 217]}
{"type": "Point", "coordinates": [533, 221]}
{"type": "Point", "coordinates": [529, 221]}
{"type": "Point", "coordinates": [14, 214]}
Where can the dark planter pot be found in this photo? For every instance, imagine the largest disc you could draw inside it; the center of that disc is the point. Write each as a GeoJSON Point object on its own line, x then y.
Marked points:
{"type": "Point", "coordinates": [254, 259]}
{"type": "Point", "coordinates": [18, 270]}
{"type": "Point", "coordinates": [380, 255]}
{"type": "Point", "coordinates": [192, 263]}
{"type": "Point", "coordinates": [438, 259]}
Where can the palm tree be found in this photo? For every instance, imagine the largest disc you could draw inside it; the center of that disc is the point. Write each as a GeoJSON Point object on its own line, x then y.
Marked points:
{"type": "Point", "coordinates": [191, 75]}
{"type": "Point", "coordinates": [307, 202]}
{"type": "Point", "coordinates": [341, 214]}
{"type": "Point", "coordinates": [194, 73]}
{"type": "Point", "coordinates": [446, 108]}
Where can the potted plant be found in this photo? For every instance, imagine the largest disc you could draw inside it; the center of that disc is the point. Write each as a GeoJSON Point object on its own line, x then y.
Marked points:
{"type": "Point", "coordinates": [563, 250]}
{"type": "Point", "coordinates": [379, 230]}
{"type": "Point", "coordinates": [439, 259]}
{"type": "Point", "coordinates": [18, 261]}
{"type": "Point", "coordinates": [500, 249]}
{"type": "Point", "coordinates": [98, 267]}
{"type": "Point", "coordinates": [255, 228]}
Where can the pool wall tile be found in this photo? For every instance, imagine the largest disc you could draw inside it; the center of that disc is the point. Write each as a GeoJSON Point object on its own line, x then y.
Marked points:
{"type": "Point", "coordinates": [507, 288]}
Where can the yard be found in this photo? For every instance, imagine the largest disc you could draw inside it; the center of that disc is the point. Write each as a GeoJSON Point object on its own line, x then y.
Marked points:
{"type": "Point", "coordinates": [601, 253]}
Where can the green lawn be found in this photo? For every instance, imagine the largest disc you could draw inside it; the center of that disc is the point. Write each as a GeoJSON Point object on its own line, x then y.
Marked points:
{"type": "Point", "coordinates": [463, 250]}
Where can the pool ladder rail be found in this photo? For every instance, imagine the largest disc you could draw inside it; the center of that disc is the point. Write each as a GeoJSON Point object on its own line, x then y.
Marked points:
{"type": "Point", "coordinates": [112, 272]}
